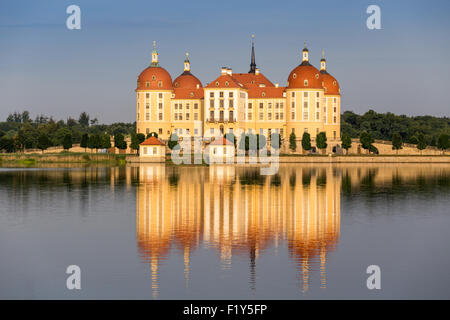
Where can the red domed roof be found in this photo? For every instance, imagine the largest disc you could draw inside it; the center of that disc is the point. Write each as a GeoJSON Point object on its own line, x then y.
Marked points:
{"type": "Point", "coordinates": [305, 71]}
{"type": "Point", "coordinates": [154, 78]}
{"type": "Point", "coordinates": [187, 80]}
{"type": "Point", "coordinates": [330, 83]}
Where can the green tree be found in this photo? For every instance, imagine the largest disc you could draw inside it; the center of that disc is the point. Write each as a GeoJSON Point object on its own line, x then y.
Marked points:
{"type": "Point", "coordinates": [366, 141]}
{"type": "Point", "coordinates": [173, 141]}
{"type": "Point", "coordinates": [244, 142]}
{"type": "Point", "coordinates": [422, 142]}
{"type": "Point", "coordinates": [413, 140]}
{"type": "Point", "coordinates": [346, 142]}
{"type": "Point", "coordinates": [95, 142]}
{"type": "Point", "coordinates": [260, 141]}
{"type": "Point", "coordinates": [321, 140]}
{"type": "Point", "coordinates": [67, 142]}
{"type": "Point", "coordinates": [106, 141]}
{"type": "Point", "coordinates": [84, 141]}
{"type": "Point", "coordinates": [43, 142]}
{"type": "Point", "coordinates": [152, 134]}
{"type": "Point", "coordinates": [119, 141]}
{"type": "Point", "coordinates": [84, 119]}
{"type": "Point", "coordinates": [134, 142]}
{"type": "Point", "coordinates": [275, 141]}
{"type": "Point", "coordinates": [7, 144]}
{"type": "Point", "coordinates": [292, 141]}
{"type": "Point", "coordinates": [397, 142]}
{"type": "Point", "coordinates": [306, 141]}
{"type": "Point", "coordinates": [443, 143]}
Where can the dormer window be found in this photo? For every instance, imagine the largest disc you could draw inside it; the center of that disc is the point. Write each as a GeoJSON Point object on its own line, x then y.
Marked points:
{"type": "Point", "coordinates": [217, 83]}
{"type": "Point", "coordinates": [263, 94]}
{"type": "Point", "coordinates": [147, 84]}
{"type": "Point", "coordinates": [317, 76]}
{"type": "Point", "coordinates": [227, 83]}
{"type": "Point", "coordinates": [176, 84]}
{"type": "Point", "coordinates": [153, 77]}
{"type": "Point", "coordinates": [334, 83]}
{"type": "Point", "coordinates": [160, 83]}
{"type": "Point", "coordinates": [294, 75]}
{"type": "Point", "coordinates": [305, 83]}
{"type": "Point", "coordinates": [192, 94]}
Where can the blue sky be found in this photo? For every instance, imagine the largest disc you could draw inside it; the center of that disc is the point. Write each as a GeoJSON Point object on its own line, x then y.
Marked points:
{"type": "Point", "coordinates": [46, 68]}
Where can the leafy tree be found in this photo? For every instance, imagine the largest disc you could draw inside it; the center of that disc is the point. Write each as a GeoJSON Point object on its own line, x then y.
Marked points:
{"type": "Point", "coordinates": [275, 141]}
{"type": "Point", "coordinates": [260, 141]}
{"type": "Point", "coordinates": [152, 134]}
{"type": "Point", "coordinates": [106, 141]}
{"type": "Point", "coordinates": [422, 143]}
{"type": "Point", "coordinates": [173, 141]}
{"type": "Point", "coordinates": [443, 142]}
{"type": "Point", "coordinates": [244, 142]}
{"type": "Point", "coordinates": [321, 140]}
{"type": "Point", "coordinates": [43, 142]}
{"type": "Point", "coordinates": [433, 142]}
{"type": "Point", "coordinates": [84, 141]}
{"type": "Point", "coordinates": [134, 142]}
{"type": "Point", "coordinates": [346, 142]}
{"type": "Point", "coordinates": [306, 141]}
{"type": "Point", "coordinates": [71, 122]}
{"type": "Point", "coordinates": [366, 141]}
{"type": "Point", "coordinates": [413, 140]}
{"type": "Point", "coordinates": [94, 121]}
{"type": "Point", "coordinates": [231, 137]}
{"type": "Point", "coordinates": [7, 144]}
{"type": "Point", "coordinates": [95, 142]}
{"type": "Point", "coordinates": [292, 141]}
{"type": "Point", "coordinates": [119, 141]}
{"type": "Point", "coordinates": [140, 137]}
{"type": "Point", "coordinates": [397, 141]}
{"type": "Point", "coordinates": [84, 119]}
{"type": "Point", "coordinates": [67, 143]}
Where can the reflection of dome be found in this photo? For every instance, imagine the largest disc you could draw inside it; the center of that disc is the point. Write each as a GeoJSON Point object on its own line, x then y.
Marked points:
{"type": "Point", "coordinates": [154, 78]}
{"type": "Point", "coordinates": [330, 84]}
{"type": "Point", "coordinates": [187, 81]}
{"type": "Point", "coordinates": [305, 76]}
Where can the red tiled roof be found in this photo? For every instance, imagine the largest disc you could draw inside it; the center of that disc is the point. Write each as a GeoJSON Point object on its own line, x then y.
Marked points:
{"type": "Point", "coordinates": [250, 80]}
{"type": "Point", "coordinates": [305, 71]}
{"type": "Point", "coordinates": [152, 141]}
{"type": "Point", "coordinates": [187, 81]}
{"type": "Point", "coordinates": [157, 78]}
{"type": "Point", "coordinates": [182, 93]}
{"type": "Point", "coordinates": [265, 92]}
{"type": "Point", "coordinates": [223, 80]}
{"type": "Point", "coordinates": [221, 142]}
{"type": "Point", "coordinates": [330, 84]}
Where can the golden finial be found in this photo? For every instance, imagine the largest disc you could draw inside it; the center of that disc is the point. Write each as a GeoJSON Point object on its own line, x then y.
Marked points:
{"type": "Point", "coordinates": [154, 44]}
{"type": "Point", "coordinates": [323, 53]}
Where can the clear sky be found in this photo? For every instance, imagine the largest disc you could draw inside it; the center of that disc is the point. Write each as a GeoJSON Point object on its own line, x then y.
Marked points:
{"type": "Point", "coordinates": [46, 68]}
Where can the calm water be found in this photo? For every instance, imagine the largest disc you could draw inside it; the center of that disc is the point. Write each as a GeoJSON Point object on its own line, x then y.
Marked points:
{"type": "Point", "coordinates": [166, 232]}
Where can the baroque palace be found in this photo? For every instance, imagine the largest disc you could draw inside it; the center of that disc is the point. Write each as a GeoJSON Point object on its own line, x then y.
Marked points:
{"type": "Point", "coordinates": [239, 102]}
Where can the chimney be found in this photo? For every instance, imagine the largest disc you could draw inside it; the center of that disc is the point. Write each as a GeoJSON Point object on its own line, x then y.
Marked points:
{"type": "Point", "coordinates": [257, 71]}
{"type": "Point", "coordinates": [276, 85]}
{"type": "Point", "coordinates": [223, 70]}
{"type": "Point", "coordinates": [198, 86]}
{"type": "Point", "coordinates": [229, 71]}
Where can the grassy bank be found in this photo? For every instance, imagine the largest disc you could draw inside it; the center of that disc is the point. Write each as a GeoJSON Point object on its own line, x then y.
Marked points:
{"type": "Point", "coordinates": [63, 157]}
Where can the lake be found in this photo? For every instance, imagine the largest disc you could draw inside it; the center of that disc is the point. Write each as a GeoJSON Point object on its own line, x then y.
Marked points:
{"type": "Point", "coordinates": [224, 232]}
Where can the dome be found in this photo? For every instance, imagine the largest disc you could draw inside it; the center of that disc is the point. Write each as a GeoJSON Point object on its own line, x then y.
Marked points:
{"type": "Point", "coordinates": [154, 78]}
{"type": "Point", "coordinates": [305, 76]}
{"type": "Point", "coordinates": [330, 84]}
{"type": "Point", "coordinates": [187, 80]}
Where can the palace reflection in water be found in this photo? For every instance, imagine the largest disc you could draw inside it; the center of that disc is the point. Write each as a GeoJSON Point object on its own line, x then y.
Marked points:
{"type": "Point", "coordinates": [237, 211]}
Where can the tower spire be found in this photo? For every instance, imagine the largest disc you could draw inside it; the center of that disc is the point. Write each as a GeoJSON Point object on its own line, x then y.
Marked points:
{"type": "Point", "coordinates": [252, 62]}
{"type": "Point", "coordinates": [323, 63]}
{"type": "Point", "coordinates": [154, 56]}
{"type": "Point", "coordinates": [187, 64]}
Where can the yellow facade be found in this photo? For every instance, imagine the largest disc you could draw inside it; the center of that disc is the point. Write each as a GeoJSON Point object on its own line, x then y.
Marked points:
{"type": "Point", "coordinates": [241, 104]}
